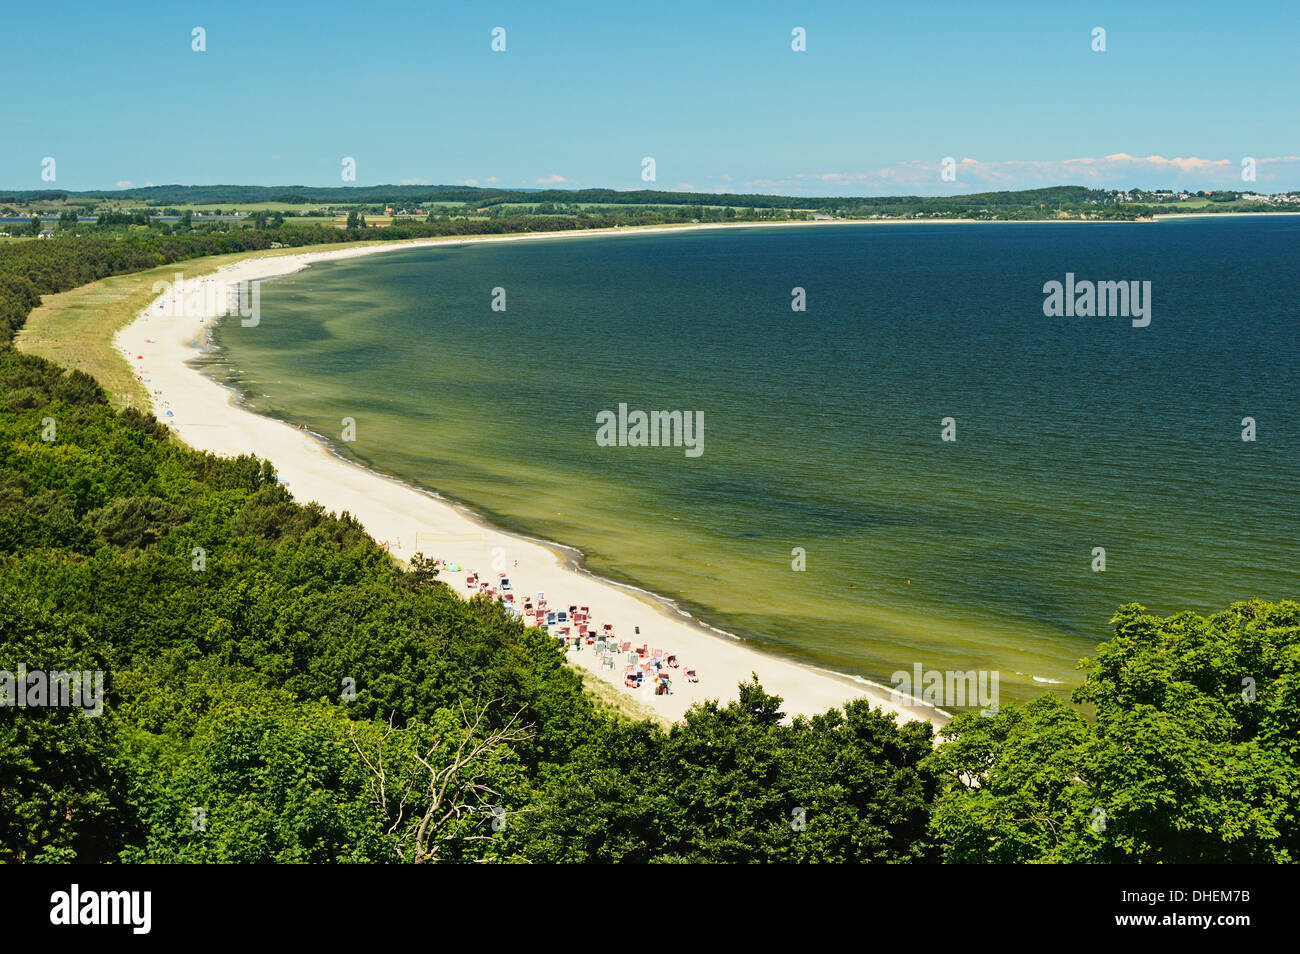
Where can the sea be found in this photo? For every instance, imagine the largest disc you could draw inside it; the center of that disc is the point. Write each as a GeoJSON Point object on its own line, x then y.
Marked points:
{"type": "Point", "coordinates": [901, 458]}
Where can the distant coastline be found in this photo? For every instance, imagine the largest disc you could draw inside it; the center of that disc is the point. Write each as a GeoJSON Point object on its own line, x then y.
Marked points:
{"type": "Point", "coordinates": [444, 209]}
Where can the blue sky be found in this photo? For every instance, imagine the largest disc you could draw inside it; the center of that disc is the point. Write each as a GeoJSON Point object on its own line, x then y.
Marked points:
{"type": "Point", "coordinates": [713, 91]}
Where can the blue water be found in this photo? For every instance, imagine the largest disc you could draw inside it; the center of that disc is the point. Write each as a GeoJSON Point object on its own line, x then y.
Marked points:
{"type": "Point", "coordinates": [822, 428]}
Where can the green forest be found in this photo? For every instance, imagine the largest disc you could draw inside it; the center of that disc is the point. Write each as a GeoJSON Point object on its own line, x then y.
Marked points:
{"type": "Point", "coordinates": [277, 689]}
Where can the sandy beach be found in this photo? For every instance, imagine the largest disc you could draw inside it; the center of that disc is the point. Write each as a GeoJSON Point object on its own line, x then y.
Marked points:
{"type": "Point", "coordinates": [159, 344]}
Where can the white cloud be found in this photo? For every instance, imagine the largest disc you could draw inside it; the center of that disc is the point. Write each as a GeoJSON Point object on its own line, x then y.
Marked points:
{"type": "Point", "coordinates": [553, 179]}
{"type": "Point", "coordinates": [124, 184]}
{"type": "Point", "coordinates": [1115, 171]}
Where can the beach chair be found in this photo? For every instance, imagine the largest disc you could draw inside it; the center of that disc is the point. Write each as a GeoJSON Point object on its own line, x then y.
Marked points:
{"type": "Point", "coordinates": [607, 661]}
{"type": "Point", "coordinates": [656, 654]}
{"type": "Point", "coordinates": [691, 676]}
{"type": "Point", "coordinates": [625, 646]}
{"type": "Point", "coordinates": [643, 649]}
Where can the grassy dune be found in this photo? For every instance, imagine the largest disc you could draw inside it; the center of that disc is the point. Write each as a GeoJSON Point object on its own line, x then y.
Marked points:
{"type": "Point", "coordinates": [75, 328]}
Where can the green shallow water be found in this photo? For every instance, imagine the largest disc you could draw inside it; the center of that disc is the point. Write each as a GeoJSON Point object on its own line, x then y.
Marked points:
{"type": "Point", "coordinates": [822, 428]}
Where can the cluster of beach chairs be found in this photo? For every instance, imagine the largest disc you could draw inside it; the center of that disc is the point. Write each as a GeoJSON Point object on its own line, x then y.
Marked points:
{"type": "Point", "coordinates": [575, 630]}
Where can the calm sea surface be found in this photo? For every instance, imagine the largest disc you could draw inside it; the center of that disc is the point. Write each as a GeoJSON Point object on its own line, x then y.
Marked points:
{"type": "Point", "coordinates": [822, 427]}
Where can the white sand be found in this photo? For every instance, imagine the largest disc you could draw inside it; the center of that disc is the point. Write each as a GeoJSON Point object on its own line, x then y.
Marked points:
{"type": "Point", "coordinates": [158, 345]}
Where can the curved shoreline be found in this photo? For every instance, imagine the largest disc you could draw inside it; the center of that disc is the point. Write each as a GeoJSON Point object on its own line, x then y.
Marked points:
{"type": "Point", "coordinates": [208, 415]}
{"type": "Point", "coordinates": [573, 560]}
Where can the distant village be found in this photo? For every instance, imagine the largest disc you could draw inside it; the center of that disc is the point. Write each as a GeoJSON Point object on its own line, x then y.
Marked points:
{"type": "Point", "coordinates": [1169, 195]}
